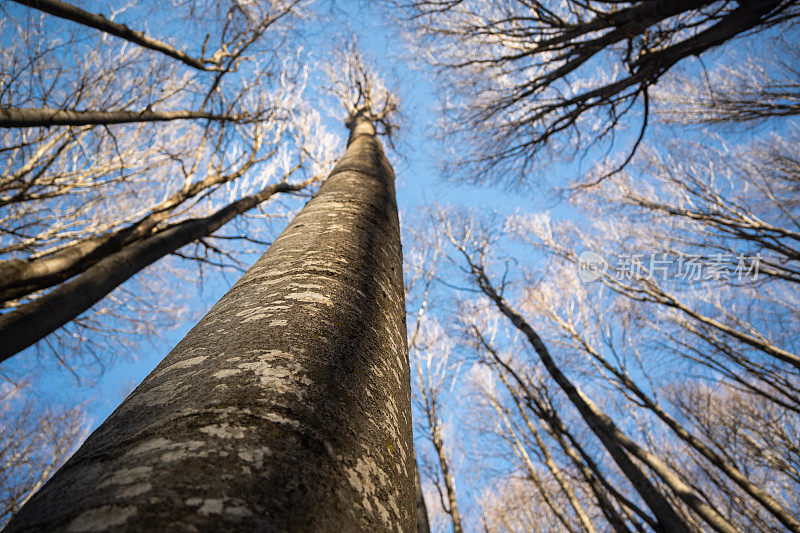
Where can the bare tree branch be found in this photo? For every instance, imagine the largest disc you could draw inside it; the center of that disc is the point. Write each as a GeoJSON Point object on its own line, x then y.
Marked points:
{"type": "Point", "coordinates": [18, 118]}
{"type": "Point", "coordinates": [99, 22]}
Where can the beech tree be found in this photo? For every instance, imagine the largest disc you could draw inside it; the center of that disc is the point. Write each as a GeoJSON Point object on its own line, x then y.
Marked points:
{"type": "Point", "coordinates": [552, 490]}
{"type": "Point", "coordinates": [287, 407]}
{"type": "Point", "coordinates": [691, 374]}
{"type": "Point", "coordinates": [104, 175]}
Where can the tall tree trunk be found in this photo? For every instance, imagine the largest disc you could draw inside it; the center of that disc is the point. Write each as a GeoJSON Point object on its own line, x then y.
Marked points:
{"type": "Point", "coordinates": [287, 407]}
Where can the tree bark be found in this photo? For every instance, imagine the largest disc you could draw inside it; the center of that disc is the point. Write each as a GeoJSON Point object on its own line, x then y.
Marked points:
{"type": "Point", "coordinates": [287, 407]}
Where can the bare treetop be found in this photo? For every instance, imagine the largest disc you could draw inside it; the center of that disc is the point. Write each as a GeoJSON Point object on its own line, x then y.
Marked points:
{"type": "Point", "coordinates": [362, 91]}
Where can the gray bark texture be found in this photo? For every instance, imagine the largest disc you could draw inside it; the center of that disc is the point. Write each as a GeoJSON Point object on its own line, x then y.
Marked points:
{"type": "Point", "coordinates": [286, 408]}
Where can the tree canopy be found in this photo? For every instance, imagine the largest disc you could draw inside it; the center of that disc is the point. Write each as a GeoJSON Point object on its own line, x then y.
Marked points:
{"type": "Point", "coordinates": [599, 208]}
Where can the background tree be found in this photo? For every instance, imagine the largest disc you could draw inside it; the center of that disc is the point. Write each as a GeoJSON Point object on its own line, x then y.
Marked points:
{"type": "Point", "coordinates": [87, 204]}
{"type": "Point", "coordinates": [433, 369]}
{"type": "Point", "coordinates": [35, 440]}
{"type": "Point", "coordinates": [695, 311]}
{"type": "Point", "coordinates": [539, 78]}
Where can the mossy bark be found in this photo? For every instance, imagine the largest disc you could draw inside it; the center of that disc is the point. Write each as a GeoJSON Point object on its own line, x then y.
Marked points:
{"type": "Point", "coordinates": [287, 407]}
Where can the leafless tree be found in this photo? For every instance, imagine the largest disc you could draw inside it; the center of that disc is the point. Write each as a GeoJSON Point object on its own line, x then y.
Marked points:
{"type": "Point", "coordinates": [35, 440]}
{"type": "Point", "coordinates": [664, 350]}
{"type": "Point", "coordinates": [574, 489]}
{"type": "Point", "coordinates": [619, 445]}
{"type": "Point", "coordinates": [433, 369]}
{"type": "Point", "coordinates": [635, 360]}
{"type": "Point", "coordinates": [288, 406]}
{"type": "Point", "coordinates": [360, 92]}
{"type": "Point", "coordinates": [553, 77]}
{"type": "Point", "coordinates": [86, 204]}
{"type": "Point", "coordinates": [734, 210]}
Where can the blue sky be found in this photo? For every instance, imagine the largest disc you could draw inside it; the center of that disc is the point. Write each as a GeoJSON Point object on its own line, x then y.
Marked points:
{"type": "Point", "coordinates": [417, 162]}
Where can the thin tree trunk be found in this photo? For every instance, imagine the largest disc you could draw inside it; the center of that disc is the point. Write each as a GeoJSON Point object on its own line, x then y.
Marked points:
{"type": "Point", "coordinates": [627, 507]}
{"type": "Point", "coordinates": [716, 459]}
{"type": "Point", "coordinates": [287, 407]}
{"type": "Point", "coordinates": [551, 464]}
{"type": "Point", "coordinates": [615, 519]}
{"type": "Point", "coordinates": [533, 476]}
{"type": "Point", "coordinates": [556, 428]}
{"type": "Point", "coordinates": [447, 473]}
{"type": "Point", "coordinates": [668, 520]}
{"type": "Point", "coordinates": [423, 526]}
